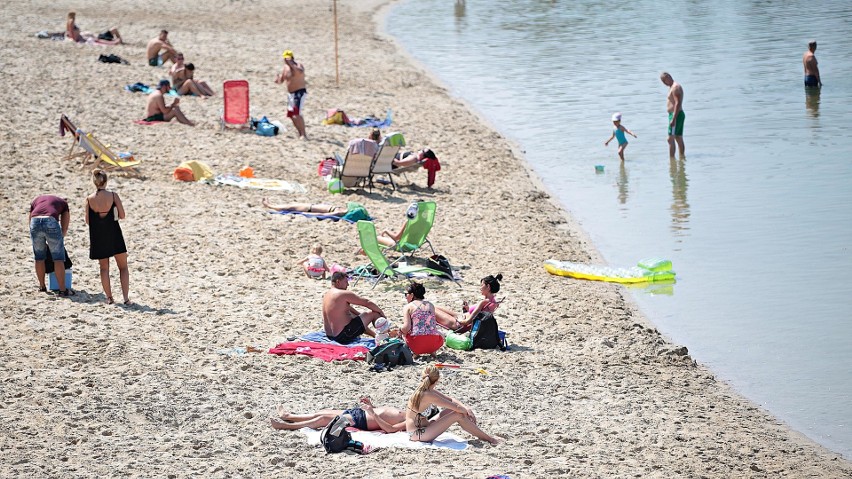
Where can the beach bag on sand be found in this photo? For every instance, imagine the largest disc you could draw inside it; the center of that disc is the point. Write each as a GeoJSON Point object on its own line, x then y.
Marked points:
{"type": "Point", "coordinates": [484, 332]}
{"type": "Point", "coordinates": [335, 438]}
{"type": "Point", "coordinates": [391, 354]}
{"type": "Point", "coordinates": [440, 263]}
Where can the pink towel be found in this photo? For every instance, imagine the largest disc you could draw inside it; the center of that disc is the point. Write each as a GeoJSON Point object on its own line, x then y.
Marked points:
{"type": "Point", "coordinates": [326, 352]}
{"type": "Point", "coordinates": [363, 146]}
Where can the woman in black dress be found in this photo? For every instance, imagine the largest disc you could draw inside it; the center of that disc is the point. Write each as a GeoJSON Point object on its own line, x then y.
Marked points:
{"type": "Point", "coordinates": [103, 210]}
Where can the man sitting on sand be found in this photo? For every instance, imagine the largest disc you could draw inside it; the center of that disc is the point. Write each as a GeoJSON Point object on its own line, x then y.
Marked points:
{"type": "Point", "coordinates": [155, 46]}
{"type": "Point", "coordinates": [157, 109]}
{"type": "Point", "coordinates": [341, 321]}
{"type": "Point", "coordinates": [365, 417]}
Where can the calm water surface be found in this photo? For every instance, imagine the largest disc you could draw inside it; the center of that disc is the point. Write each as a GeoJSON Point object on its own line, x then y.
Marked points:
{"type": "Point", "coordinates": [757, 219]}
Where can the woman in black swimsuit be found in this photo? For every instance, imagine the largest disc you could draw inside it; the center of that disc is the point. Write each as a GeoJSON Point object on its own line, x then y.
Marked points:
{"type": "Point", "coordinates": [417, 422]}
{"type": "Point", "coordinates": [103, 210]}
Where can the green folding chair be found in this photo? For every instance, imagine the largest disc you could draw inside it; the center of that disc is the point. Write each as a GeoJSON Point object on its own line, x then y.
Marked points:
{"type": "Point", "coordinates": [386, 269]}
{"type": "Point", "coordinates": [416, 230]}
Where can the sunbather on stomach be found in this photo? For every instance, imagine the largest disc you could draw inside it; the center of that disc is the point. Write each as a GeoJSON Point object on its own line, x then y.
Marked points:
{"type": "Point", "coordinates": [365, 417]}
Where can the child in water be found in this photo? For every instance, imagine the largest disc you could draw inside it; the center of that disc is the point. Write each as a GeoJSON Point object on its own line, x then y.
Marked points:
{"type": "Point", "coordinates": [313, 264]}
{"type": "Point", "coordinates": [618, 132]}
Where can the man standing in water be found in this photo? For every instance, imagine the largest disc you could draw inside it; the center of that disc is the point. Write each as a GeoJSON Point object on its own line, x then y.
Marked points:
{"type": "Point", "coordinates": [809, 61]}
{"type": "Point", "coordinates": [293, 75]}
{"type": "Point", "coordinates": [674, 105]}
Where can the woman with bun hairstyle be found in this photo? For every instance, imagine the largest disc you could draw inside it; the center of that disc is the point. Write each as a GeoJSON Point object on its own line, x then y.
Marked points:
{"type": "Point", "coordinates": [489, 286]}
{"type": "Point", "coordinates": [103, 210]}
{"type": "Point", "coordinates": [422, 429]}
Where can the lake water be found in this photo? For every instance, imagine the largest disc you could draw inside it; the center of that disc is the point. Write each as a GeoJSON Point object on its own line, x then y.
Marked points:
{"type": "Point", "coordinates": [757, 219]}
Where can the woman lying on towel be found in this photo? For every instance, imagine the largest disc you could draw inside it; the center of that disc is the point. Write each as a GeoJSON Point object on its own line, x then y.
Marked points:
{"type": "Point", "coordinates": [488, 287]}
{"type": "Point", "coordinates": [365, 417]}
{"type": "Point", "coordinates": [421, 428]}
{"type": "Point", "coordinates": [317, 208]}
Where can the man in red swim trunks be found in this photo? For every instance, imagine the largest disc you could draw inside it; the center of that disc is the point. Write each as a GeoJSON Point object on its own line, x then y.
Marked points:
{"type": "Point", "coordinates": [293, 76]}
{"type": "Point", "coordinates": [341, 321]}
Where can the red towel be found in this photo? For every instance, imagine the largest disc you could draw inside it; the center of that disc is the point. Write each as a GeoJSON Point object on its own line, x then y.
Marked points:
{"type": "Point", "coordinates": [326, 352]}
{"type": "Point", "coordinates": [432, 165]}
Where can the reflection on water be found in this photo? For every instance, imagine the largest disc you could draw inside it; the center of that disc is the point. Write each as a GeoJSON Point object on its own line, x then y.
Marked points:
{"type": "Point", "coordinates": [460, 7]}
{"type": "Point", "coordinates": [812, 100]}
{"type": "Point", "coordinates": [680, 205]}
{"type": "Point", "coordinates": [623, 190]}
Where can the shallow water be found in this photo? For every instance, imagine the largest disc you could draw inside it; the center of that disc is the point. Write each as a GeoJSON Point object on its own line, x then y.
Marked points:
{"type": "Point", "coordinates": [757, 219]}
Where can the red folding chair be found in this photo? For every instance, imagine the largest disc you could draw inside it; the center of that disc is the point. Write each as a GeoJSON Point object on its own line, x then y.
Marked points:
{"type": "Point", "coordinates": [236, 95]}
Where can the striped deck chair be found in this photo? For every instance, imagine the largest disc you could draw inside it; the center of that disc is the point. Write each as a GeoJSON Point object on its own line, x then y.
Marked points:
{"type": "Point", "coordinates": [108, 160]}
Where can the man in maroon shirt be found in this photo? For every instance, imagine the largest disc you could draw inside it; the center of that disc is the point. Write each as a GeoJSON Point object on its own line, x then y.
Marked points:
{"type": "Point", "coordinates": [49, 218]}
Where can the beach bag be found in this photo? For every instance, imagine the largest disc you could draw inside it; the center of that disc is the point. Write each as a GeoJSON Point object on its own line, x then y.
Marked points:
{"type": "Point", "coordinates": [335, 438]}
{"type": "Point", "coordinates": [391, 354]}
{"type": "Point", "coordinates": [112, 58]}
{"type": "Point", "coordinates": [484, 332]}
{"type": "Point", "coordinates": [440, 263]}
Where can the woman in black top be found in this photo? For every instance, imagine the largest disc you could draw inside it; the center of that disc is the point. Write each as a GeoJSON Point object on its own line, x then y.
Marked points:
{"type": "Point", "coordinates": [103, 210]}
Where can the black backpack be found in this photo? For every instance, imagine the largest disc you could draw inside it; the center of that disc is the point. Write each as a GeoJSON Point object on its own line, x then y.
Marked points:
{"type": "Point", "coordinates": [391, 354]}
{"type": "Point", "coordinates": [484, 333]}
{"type": "Point", "coordinates": [440, 263]}
{"type": "Point", "coordinates": [340, 442]}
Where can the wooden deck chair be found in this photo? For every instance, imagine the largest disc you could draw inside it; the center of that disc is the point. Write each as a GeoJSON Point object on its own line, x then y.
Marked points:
{"type": "Point", "coordinates": [416, 230]}
{"type": "Point", "coordinates": [86, 154]}
{"type": "Point", "coordinates": [236, 100]}
{"type": "Point", "coordinates": [110, 161]}
{"type": "Point", "coordinates": [370, 244]}
{"type": "Point", "coordinates": [383, 162]}
{"type": "Point", "coordinates": [355, 168]}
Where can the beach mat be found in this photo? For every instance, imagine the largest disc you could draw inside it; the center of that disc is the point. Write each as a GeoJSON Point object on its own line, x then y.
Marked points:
{"type": "Point", "coordinates": [320, 337]}
{"type": "Point", "coordinates": [326, 352]}
{"type": "Point", "coordinates": [311, 215]}
{"type": "Point", "coordinates": [259, 183]}
{"type": "Point", "coordinates": [378, 439]}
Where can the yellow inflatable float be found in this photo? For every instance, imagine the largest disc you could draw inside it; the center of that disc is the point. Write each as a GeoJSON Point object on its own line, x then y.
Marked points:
{"type": "Point", "coordinates": [647, 271]}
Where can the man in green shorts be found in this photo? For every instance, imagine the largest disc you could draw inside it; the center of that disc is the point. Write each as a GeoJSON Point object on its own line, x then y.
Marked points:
{"type": "Point", "coordinates": [674, 105]}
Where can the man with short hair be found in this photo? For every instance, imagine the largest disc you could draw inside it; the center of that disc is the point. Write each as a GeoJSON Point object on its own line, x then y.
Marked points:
{"type": "Point", "coordinates": [341, 321]}
{"type": "Point", "coordinates": [365, 417]}
{"type": "Point", "coordinates": [155, 46]}
{"type": "Point", "coordinates": [49, 218]}
{"type": "Point", "coordinates": [156, 110]}
{"type": "Point", "coordinates": [293, 76]}
{"type": "Point", "coordinates": [674, 105]}
{"type": "Point", "coordinates": [809, 61]}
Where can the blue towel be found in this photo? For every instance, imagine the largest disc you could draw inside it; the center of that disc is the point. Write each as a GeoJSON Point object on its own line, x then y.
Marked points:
{"type": "Point", "coordinates": [320, 337]}
{"type": "Point", "coordinates": [143, 88]}
{"type": "Point", "coordinates": [373, 122]}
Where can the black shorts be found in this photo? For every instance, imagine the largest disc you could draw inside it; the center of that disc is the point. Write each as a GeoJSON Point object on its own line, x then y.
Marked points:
{"type": "Point", "coordinates": [107, 36]}
{"type": "Point", "coordinates": [358, 416]}
{"type": "Point", "coordinates": [351, 332]}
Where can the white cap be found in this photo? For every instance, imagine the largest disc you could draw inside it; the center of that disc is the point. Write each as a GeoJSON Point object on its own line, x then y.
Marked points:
{"type": "Point", "coordinates": [382, 325]}
{"type": "Point", "coordinates": [616, 116]}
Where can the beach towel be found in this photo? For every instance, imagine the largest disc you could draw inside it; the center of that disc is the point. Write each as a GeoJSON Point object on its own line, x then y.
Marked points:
{"type": "Point", "coordinates": [372, 122]}
{"type": "Point", "coordinates": [198, 170]}
{"type": "Point", "coordinates": [349, 219]}
{"type": "Point", "coordinates": [259, 183]}
{"type": "Point", "coordinates": [325, 351]}
{"type": "Point", "coordinates": [320, 337]}
{"type": "Point", "coordinates": [363, 146]}
{"type": "Point", "coordinates": [143, 88]}
{"type": "Point", "coordinates": [380, 439]}
{"type": "Point", "coordinates": [45, 35]}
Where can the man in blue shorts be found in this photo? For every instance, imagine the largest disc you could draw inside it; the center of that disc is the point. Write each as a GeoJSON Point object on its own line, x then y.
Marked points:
{"type": "Point", "coordinates": [49, 219]}
{"type": "Point", "coordinates": [809, 61]}
{"type": "Point", "coordinates": [341, 321]}
{"type": "Point", "coordinates": [674, 105]}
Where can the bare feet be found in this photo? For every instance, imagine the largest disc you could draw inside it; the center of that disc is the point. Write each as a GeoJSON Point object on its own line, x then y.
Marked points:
{"type": "Point", "coordinates": [265, 202]}
{"type": "Point", "coordinates": [282, 413]}
{"type": "Point", "coordinates": [277, 424]}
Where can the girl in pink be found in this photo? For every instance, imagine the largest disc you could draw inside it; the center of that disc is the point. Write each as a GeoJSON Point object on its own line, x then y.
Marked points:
{"type": "Point", "coordinates": [313, 264]}
{"type": "Point", "coordinates": [488, 287]}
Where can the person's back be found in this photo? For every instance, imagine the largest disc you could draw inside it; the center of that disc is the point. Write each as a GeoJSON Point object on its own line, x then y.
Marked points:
{"type": "Point", "coordinates": [156, 103]}
{"type": "Point", "coordinates": [810, 65]}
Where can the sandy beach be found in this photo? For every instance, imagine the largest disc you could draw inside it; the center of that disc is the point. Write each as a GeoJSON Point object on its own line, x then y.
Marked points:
{"type": "Point", "coordinates": [589, 389]}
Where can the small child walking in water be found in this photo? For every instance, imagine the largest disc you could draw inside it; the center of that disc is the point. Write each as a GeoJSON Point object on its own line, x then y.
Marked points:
{"type": "Point", "coordinates": [313, 264]}
{"type": "Point", "coordinates": [618, 133]}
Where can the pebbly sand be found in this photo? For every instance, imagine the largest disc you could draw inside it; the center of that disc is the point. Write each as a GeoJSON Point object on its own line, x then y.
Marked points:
{"type": "Point", "coordinates": [589, 389]}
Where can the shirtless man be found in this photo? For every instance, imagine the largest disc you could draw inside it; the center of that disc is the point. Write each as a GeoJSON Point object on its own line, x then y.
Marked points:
{"type": "Point", "coordinates": [365, 417]}
{"type": "Point", "coordinates": [155, 46]}
{"type": "Point", "coordinates": [183, 81]}
{"type": "Point", "coordinates": [342, 322]}
{"type": "Point", "coordinates": [293, 75]}
{"type": "Point", "coordinates": [674, 105]}
{"type": "Point", "coordinates": [157, 110]}
{"type": "Point", "coordinates": [809, 61]}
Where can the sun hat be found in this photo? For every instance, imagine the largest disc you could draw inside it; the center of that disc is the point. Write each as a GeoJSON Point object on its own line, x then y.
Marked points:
{"type": "Point", "coordinates": [287, 54]}
{"type": "Point", "coordinates": [616, 117]}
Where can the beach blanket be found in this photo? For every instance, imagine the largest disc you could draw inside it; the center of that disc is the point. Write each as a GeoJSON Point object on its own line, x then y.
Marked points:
{"type": "Point", "coordinates": [326, 352]}
{"type": "Point", "coordinates": [319, 216]}
{"type": "Point", "coordinates": [381, 439]}
{"type": "Point", "coordinates": [372, 121]}
{"type": "Point", "coordinates": [320, 337]}
{"type": "Point", "coordinates": [259, 183]}
{"type": "Point", "coordinates": [143, 88]}
{"type": "Point", "coordinates": [45, 35]}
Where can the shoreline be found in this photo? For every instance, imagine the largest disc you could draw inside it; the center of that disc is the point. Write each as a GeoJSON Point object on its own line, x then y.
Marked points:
{"type": "Point", "coordinates": [589, 389]}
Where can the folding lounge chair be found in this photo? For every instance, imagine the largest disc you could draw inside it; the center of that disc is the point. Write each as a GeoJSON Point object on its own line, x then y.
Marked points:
{"type": "Point", "coordinates": [109, 160]}
{"type": "Point", "coordinates": [86, 153]}
{"type": "Point", "coordinates": [414, 234]}
{"type": "Point", "coordinates": [383, 163]}
{"type": "Point", "coordinates": [236, 98]}
{"type": "Point", "coordinates": [370, 245]}
{"type": "Point", "coordinates": [355, 168]}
